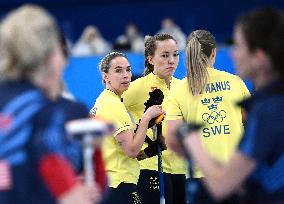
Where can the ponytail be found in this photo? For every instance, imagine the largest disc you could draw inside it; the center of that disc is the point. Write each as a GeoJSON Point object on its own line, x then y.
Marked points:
{"type": "Point", "coordinates": [199, 48]}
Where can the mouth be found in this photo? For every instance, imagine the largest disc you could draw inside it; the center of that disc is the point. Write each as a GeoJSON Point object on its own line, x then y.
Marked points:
{"type": "Point", "coordinates": [126, 83]}
{"type": "Point", "coordinates": [171, 68]}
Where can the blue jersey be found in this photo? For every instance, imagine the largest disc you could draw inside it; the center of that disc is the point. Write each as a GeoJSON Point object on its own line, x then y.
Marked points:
{"type": "Point", "coordinates": [263, 141]}
{"type": "Point", "coordinates": [32, 129]}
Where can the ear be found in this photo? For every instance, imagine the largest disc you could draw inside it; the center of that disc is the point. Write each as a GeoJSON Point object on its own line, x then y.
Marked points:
{"type": "Point", "coordinates": [260, 54]}
{"type": "Point", "coordinates": [213, 55]}
{"type": "Point", "coordinates": [260, 58]}
{"type": "Point", "coordinates": [150, 60]}
{"type": "Point", "coordinates": [105, 77]}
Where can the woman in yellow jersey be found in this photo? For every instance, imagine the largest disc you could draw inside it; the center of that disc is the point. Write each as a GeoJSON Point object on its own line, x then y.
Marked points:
{"type": "Point", "coordinates": [207, 96]}
{"type": "Point", "coordinates": [161, 60]}
{"type": "Point", "coordinates": [120, 151]}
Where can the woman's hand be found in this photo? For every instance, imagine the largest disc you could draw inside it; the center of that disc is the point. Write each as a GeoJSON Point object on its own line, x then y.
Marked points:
{"type": "Point", "coordinates": [82, 194]}
{"type": "Point", "coordinates": [153, 112]}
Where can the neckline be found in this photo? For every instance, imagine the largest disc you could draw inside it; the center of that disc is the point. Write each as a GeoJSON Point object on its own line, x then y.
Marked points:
{"type": "Point", "coordinates": [160, 80]}
{"type": "Point", "coordinates": [114, 94]}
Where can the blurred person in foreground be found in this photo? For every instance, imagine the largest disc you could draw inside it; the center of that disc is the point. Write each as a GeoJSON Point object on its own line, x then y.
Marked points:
{"type": "Point", "coordinates": [38, 163]}
{"type": "Point", "coordinates": [255, 169]}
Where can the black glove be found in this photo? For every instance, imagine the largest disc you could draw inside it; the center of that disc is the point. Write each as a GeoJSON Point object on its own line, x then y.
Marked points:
{"type": "Point", "coordinates": [156, 98]}
{"type": "Point", "coordinates": [186, 128]}
{"type": "Point", "coordinates": [152, 149]}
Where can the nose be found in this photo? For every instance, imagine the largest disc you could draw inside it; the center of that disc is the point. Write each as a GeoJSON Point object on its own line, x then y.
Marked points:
{"type": "Point", "coordinates": [171, 60]}
{"type": "Point", "coordinates": [126, 74]}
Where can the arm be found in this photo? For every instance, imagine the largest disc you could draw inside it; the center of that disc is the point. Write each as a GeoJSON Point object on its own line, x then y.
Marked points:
{"type": "Point", "coordinates": [152, 149]}
{"type": "Point", "coordinates": [171, 140]}
{"type": "Point", "coordinates": [221, 180]}
{"type": "Point", "coordinates": [52, 151]}
{"type": "Point", "coordinates": [132, 145]}
{"type": "Point", "coordinates": [244, 115]}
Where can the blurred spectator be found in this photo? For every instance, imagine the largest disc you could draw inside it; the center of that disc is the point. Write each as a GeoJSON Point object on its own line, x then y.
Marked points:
{"type": "Point", "coordinates": [131, 40]}
{"type": "Point", "coordinates": [168, 26]}
{"type": "Point", "coordinates": [91, 42]}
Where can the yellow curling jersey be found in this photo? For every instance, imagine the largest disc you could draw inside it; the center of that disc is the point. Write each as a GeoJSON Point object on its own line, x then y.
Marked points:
{"type": "Point", "coordinates": [216, 108]}
{"type": "Point", "coordinates": [134, 99]}
{"type": "Point", "coordinates": [120, 168]}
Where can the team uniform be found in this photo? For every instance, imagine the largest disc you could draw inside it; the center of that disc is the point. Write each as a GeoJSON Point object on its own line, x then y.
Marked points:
{"type": "Point", "coordinates": [174, 167]}
{"type": "Point", "coordinates": [263, 141]}
{"type": "Point", "coordinates": [123, 171]}
{"type": "Point", "coordinates": [38, 163]}
{"type": "Point", "coordinates": [216, 108]}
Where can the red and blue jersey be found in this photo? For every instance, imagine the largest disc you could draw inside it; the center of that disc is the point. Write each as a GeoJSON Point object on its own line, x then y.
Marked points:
{"type": "Point", "coordinates": [38, 162]}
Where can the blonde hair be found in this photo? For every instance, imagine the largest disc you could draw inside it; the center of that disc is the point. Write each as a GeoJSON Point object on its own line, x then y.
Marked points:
{"type": "Point", "coordinates": [27, 36]}
{"type": "Point", "coordinates": [200, 45]}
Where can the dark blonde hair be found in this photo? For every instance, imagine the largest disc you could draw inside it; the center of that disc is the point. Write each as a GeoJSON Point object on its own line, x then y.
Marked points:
{"type": "Point", "coordinates": [150, 48]}
{"type": "Point", "coordinates": [104, 64]}
{"type": "Point", "coordinates": [200, 45]}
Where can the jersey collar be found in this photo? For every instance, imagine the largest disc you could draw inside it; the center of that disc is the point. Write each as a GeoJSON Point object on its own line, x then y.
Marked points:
{"type": "Point", "coordinates": [158, 80]}
{"type": "Point", "coordinates": [113, 94]}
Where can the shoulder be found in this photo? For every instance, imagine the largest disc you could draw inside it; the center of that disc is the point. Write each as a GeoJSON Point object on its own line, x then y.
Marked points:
{"type": "Point", "coordinates": [220, 73]}
{"type": "Point", "coordinates": [107, 100]}
{"type": "Point", "coordinates": [61, 110]}
{"type": "Point", "coordinates": [139, 81]}
{"type": "Point", "coordinates": [21, 93]}
{"type": "Point", "coordinates": [175, 81]}
{"type": "Point", "coordinates": [180, 84]}
{"type": "Point", "coordinates": [135, 86]}
{"type": "Point", "coordinates": [72, 109]}
{"type": "Point", "coordinates": [266, 113]}
{"type": "Point", "coordinates": [180, 90]}
{"type": "Point", "coordinates": [271, 104]}
{"type": "Point", "coordinates": [107, 104]}
{"type": "Point", "coordinates": [236, 81]}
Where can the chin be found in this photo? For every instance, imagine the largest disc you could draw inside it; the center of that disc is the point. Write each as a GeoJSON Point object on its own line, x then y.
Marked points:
{"type": "Point", "coordinates": [124, 88]}
{"type": "Point", "coordinates": [168, 75]}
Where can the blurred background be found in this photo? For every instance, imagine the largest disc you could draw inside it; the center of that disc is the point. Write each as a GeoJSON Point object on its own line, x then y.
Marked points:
{"type": "Point", "coordinates": [96, 27]}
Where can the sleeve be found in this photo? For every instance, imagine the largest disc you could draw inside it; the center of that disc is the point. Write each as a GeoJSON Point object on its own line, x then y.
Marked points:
{"type": "Point", "coordinates": [101, 177]}
{"type": "Point", "coordinates": [121, 120]}
{"type": "Point", "coordinates": [257, 142]}
{"type": "Point", "coordinates": [117, 115]}
{"type": "Point", "coordinates": [57, 156]}
{"type": "Point", "coordinates": [173, 111]}
{"type": "Point", "coordinates": [130, 95]}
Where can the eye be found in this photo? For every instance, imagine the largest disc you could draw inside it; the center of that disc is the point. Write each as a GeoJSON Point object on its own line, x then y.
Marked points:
{"type": "Point", "coordinates": [176, 54]}
{"type": "Point", "coordinates": [118, 71]}
{"type": "Point", "coordinates": [128, 69]}
{"type": "Point", "coordinates": [165, 55]}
